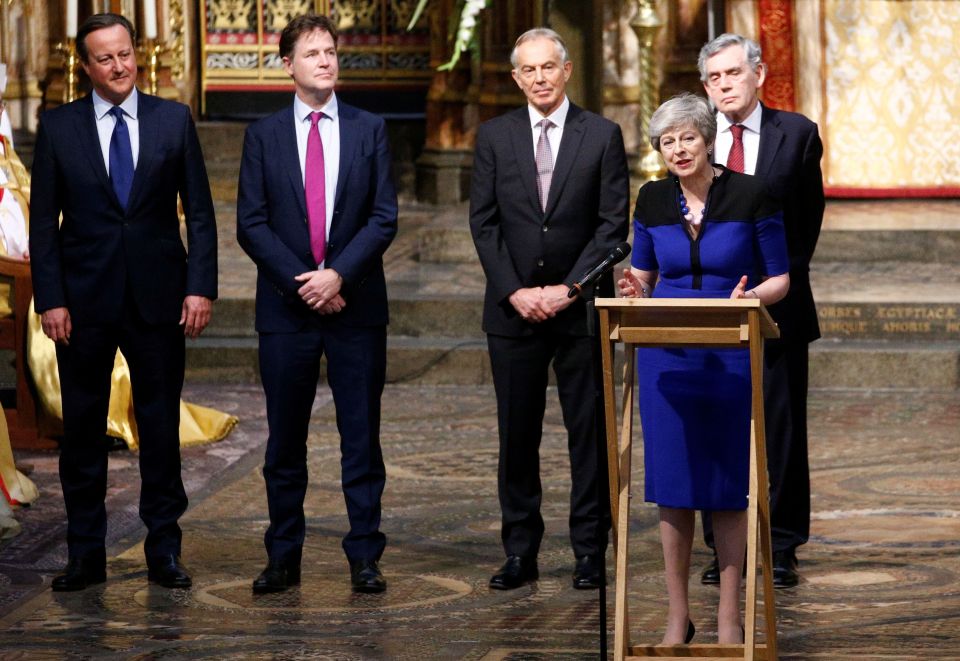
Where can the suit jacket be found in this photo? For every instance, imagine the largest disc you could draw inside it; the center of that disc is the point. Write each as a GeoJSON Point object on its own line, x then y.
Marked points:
{"type": "Point", "coordinates": [789, 162]}
{"type": "Point", "coordinates": [100, 254]}
{"type": "Point", "coordinates": [522, 246]}
{"type": "Point", "coordinates": [272, 220]}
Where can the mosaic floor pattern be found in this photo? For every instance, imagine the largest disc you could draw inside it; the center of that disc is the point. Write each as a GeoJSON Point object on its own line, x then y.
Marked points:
{"type": "Point", "coordinates": [881, 572]}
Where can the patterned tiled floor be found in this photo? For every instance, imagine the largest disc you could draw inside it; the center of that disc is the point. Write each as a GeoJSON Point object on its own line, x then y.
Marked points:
{"type": "Point", "coordinates": [881, 572]}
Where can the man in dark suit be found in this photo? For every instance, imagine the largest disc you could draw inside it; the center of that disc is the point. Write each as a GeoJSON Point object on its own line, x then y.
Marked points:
{"type": "Point", "coordinates": [115, 275]}
{"type": "Point", "coordinates": [784, 149]}
{"type": "Point", "coordinates": [549, 200]}
{"type": "Point", "coordinates": [316, 211]}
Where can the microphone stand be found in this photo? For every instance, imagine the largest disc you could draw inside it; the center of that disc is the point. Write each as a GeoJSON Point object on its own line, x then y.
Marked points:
{"type": "Point", "coordinates": [601, 440]}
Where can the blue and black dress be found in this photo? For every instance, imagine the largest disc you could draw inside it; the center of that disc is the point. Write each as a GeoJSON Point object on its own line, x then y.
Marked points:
{"type": "Point", "coordinates": [695, 403]}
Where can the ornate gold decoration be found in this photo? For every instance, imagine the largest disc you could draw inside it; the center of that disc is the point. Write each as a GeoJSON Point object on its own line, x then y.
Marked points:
{"type": "Point", "coordinates": [277, 13]}
{"type": "Point", "coordinates": [67, 50]}
{"type": "Point", "coordinates": [647, 25]}
{"type": "Point", "coordinates": [356, 14]}
{"type": "Point", "coordinates": [231, 14]}
{"type": "Point", "coordinates": [151, 51]}
{"type": "Point", "coordinates": [892, 112]}
{"type": "Point", "coordinates": [177, 20]}
{"type": "Point", "coordinates": [403, 10]}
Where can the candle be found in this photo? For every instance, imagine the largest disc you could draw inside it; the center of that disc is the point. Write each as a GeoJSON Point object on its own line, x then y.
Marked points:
{"type": "Point", "coordinates": [150, 18]}
{"type": "Point", "coordinates": [71, 18]}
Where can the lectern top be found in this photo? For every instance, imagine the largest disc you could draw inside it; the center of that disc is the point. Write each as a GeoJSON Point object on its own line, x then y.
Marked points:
{"type": "Point", "coordinates": [687, 312]}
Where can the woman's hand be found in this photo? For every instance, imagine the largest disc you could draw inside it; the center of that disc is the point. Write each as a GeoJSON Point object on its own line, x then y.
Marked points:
{"type": "Point", "coordinates": [629, 285]}
{"type": "Point", "coordinates": [740, 291]}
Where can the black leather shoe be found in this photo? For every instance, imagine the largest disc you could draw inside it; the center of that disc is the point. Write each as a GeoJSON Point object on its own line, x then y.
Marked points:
{"type": "Point", "coordinates": [79, 574]}
{"type": "Point", "coordinates": [277, 577]}
{"type": "Point", "coordinates": [785, 569]}
{"type": "Point", "coordinates": [711, 575]}
{"type": "Point", "coordinates": [169, 572]}
{"type": "Point", "coordinates": [516, 571]}
{"type": "Point", "coordinates": [365, 576]}
{"type": "Point", "coordinates": [586, 573]}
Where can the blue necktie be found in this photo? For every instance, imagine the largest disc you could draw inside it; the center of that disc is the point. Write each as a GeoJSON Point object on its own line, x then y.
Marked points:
{"type": "Point", "coordinates": [121, 158]}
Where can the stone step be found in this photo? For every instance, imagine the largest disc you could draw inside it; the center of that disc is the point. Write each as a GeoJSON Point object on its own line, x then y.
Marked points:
{"type": "Point", "coordinates": [883, 301]}
{"type": "Point", "coordinates": [446, 242]}
{"type": "Point", "coordinates": [464, 361]}
{"type": "Point", "coordinates": [853, 231]}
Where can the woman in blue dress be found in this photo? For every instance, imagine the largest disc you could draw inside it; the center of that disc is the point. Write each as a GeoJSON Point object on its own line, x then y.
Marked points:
{"type": "Point", "coordinates": [703, 232]}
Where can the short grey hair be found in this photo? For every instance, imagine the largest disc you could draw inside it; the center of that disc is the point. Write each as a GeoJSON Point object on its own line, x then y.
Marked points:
{"type": "Point", "coordinates": [683, 110]}
{"type": "Point", "coordinates": [540, 33]}
{"type": "Point", "coordinates": [750, 48]}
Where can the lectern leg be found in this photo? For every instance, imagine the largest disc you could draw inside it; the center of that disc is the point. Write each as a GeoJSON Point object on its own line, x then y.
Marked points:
{"type": "Point", "coordinates": [621, 626]}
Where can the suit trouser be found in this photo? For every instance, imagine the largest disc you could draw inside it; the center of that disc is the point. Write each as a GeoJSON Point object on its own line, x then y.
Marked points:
{"type": "Point", "coordinates": [520, 367]}
{"type": "Point", "coordinates": [356, 371]}
{"type": "Point", "coordinates": [785, 380]}
{"type": "Point", "coordinates": [155, 354]}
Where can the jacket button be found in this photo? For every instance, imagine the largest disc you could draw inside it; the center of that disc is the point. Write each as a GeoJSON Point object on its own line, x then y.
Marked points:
{"type": "Point", "coordinates": [545, 228]}
{"type": "Point", "coordinates": [539, 262]}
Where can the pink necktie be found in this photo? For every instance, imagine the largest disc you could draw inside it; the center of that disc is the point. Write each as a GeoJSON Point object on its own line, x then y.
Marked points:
{"type": "Point", "coordinates": [544, 160]}
{"type": "Point", "coordinates": [735, 159]}
{"type": "Point", "coordinates": [315, 187]}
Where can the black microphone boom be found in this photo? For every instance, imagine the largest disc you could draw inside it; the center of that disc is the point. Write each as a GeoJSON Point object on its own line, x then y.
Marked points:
{"type": "Point", "coordinates": [593, 274]}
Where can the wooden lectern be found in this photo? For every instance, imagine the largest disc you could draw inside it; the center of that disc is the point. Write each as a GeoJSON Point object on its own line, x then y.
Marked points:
{"type": "Point", "coordinates": [702, 323]}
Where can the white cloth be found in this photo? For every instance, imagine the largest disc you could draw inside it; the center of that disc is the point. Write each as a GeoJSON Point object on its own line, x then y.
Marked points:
{"type": "Point", "coordinates": [751, 140]}
{"type": "Point", "coordinates": [329, 128]}
{"type": "Point", "coordinates": [106, 123]}
{"type": "Point", "coordinates": [558, 118]}
{"type": "Point", "coordinates": [6, 130]}
{"type": "Point", "coordinates": [13, 224]}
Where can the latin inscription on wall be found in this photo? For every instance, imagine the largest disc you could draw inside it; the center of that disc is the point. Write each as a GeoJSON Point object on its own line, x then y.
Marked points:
{"type": "Point", "coordinates": [927, 321]}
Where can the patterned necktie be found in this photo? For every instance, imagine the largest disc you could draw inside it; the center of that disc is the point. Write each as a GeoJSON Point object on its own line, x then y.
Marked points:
{"type": "Point", "coordinates": [315, 187]}
{"type": "Point", "coordinates": [544, 163]}
{"type": "Point", "coordinates": [121, 158]}
{"type": "Point", "coordinates": [735, 159]}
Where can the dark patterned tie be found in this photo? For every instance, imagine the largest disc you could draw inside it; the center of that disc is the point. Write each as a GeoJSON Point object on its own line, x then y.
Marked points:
{"type": "Point", "coordinates": [121, 158]}
{"type": "Point", "coordinates": [544, 163]}
{"type": "Point", "coordinates": [735, 159]}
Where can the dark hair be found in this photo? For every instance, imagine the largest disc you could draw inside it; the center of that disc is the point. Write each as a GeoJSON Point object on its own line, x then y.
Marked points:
{"type": "Point", "coordinates": [302, 25]}
{"type": "Point", "coordinates": [98, 22]}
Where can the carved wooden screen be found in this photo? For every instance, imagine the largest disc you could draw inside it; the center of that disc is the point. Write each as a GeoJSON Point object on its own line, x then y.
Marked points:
{"type": "Point", "coordinates": [239, 44]}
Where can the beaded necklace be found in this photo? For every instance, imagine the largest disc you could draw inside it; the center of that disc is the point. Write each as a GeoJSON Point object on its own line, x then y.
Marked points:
{"type": "Point", "coordinates": [687, 214]}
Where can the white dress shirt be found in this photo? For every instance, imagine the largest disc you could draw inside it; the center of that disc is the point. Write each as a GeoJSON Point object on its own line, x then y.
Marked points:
{"type": "Point", "coordinates": [559, 118]}
{"type": "Point", "coordinates": [751, 140]}
{"type": "Point", "coordinates": [106, 123]}
{"type": "Point", "coordinates": [329, 127]}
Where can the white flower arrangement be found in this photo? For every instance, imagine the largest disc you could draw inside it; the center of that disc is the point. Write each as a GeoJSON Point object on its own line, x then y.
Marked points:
{"type": "Point", "coordinates": [465, 28]}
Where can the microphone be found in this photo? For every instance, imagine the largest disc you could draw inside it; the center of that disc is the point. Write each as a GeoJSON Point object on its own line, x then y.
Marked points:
{"type": "Point", "coordinates": [594, 274]}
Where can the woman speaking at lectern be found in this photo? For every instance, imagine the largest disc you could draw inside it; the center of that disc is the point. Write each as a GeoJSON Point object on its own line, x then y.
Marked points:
{"type": "Point", "coordinates": [703, 232]}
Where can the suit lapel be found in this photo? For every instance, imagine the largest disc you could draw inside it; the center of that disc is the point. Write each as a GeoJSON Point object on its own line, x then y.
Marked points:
{"type": "Point", "coordinates": [349, 132]}
{"type": "Point", "coordinates": [86, 130]}
{"type": "Point", "coordinates": [771, 137]}
{"type": "Point", "coordinates": [567, 154]}
{"type": "Point", "coordinates": [148, 125]}
{"type": "Point", "coordinates": [522, 138]}
{"type": "Point", "coordinates": [286, 140]}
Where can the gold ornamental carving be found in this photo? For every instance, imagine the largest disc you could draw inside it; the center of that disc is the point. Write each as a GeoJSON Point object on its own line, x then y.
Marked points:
{"type": "Point", "coordinates": [356, 14]}
{"type": "Point", "coordinates": [278, 13]}
{"type": "Point", "coordinates": [403, 10]}
{"type": "Point", "coordinates": [177, 45]}
{"type": "Point", "coordinates": [231, 14]}
{"type": "Point", "coordinates": [647, 25]}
